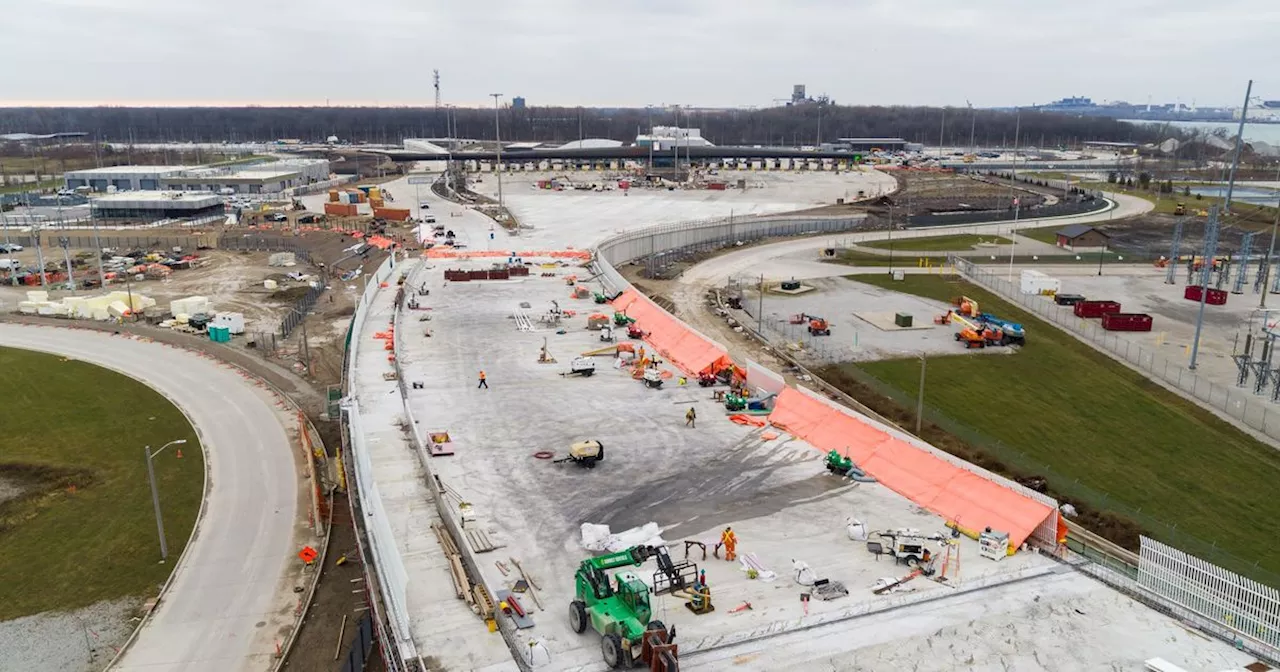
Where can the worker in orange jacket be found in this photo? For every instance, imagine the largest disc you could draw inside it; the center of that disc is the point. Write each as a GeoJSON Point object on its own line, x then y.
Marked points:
{"type": "Point", "coordinates": [483, 383]}
{"type": "Point", "coordinates": [730, 542]}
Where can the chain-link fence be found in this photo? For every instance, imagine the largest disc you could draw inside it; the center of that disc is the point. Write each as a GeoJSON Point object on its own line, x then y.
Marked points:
{"type": "Point", "coordinates": [1252, 410]}
{"type": "Point", "coordinates": [1060, 209]}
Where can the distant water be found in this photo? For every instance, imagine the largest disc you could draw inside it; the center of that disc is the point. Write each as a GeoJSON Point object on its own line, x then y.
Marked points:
{"type": "Point", "coordinates": [1268, 133]}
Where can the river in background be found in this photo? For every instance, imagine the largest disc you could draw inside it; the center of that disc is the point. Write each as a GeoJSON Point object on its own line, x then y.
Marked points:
{"type": "Point", "coordinates": [1268, 133]}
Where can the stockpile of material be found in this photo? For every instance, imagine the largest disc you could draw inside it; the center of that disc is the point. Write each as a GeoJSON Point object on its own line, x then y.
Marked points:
{"type": "Point", "coordinates": [103, 307]}
{"type": "Point", "coordinates": [192, 305]}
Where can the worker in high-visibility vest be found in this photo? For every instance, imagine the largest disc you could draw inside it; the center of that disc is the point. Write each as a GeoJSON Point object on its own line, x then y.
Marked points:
{"type": "Point", "coordinates": [730, 542]}
{"type": "Point", "coordinates": [483, 383]}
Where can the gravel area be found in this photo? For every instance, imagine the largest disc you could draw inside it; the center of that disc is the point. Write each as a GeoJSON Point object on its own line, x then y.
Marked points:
{"type": "Point", "coordinates": [68, 641]}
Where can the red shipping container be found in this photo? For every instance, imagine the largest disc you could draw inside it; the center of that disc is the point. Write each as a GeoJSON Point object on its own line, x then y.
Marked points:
{"type": "Point", "coordinates": [716, 186]}
{"type": "Point", "coordinates": [1126, 322]}
{"type": "Point", "coordinates": [1095, 308]}
{"type": "Point", "coordinates": [1213, 297]}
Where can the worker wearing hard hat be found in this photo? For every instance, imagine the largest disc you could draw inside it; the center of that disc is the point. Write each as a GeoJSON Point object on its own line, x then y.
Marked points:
{"type": "Point", "coordinates": [691, 418]}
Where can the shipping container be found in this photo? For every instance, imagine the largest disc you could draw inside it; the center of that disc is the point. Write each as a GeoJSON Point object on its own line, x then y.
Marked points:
{"type": "Point", "coordinates": [393, 214]}
{"type": "Point", "coordinates": [375, 203]}
{"type": "Point", "coordinates": [1126, 322]}
{"type": "Point", "coordinates": [716, 186]}
{"type": "Point", "coordinates": [1095, 308]}
{"type": "Point", "coordinates": [340, 209]}
{"type": "Point", "coordinates": [1213, 297]}
{"type": "Point", "coordinates": [1067, 299]}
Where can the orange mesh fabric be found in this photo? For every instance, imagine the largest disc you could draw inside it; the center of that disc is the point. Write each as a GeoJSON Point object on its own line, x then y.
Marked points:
{"type": "Point", "coordinates": [952, 492]}
{"type": "Point", "coordinates": [676, 342]}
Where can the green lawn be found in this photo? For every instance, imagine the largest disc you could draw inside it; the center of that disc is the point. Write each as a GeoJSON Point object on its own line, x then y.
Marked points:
{"type": "Point", "coordinates": [31, 186]}
{"type": "Point", "coordinates": [82, 528]}
{"type": "Point", "coordinates": [960, 241]}
{"type": "Point", "coordinates": [1094, 421]}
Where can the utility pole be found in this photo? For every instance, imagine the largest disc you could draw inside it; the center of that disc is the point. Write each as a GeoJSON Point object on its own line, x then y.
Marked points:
{"type": "Point", "coordinates": [497, 136]}
{"type": "Point", "coordinates": [1266, 273]}
{"type": "Point", "coordinates": [1210, 250]}
{"type": "Point", "coordinates": [1235, 159]}
{"type": "Point", "coordinates": [942, 133]}
{"type": "Point", "coordinates": [973, 126]}
{"type": "Point", "coordinates": [760, 309]}
{"type": "Point", "coordinates": [920, 397]}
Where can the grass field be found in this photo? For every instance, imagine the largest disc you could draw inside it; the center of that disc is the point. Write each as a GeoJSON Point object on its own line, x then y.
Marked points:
{"type": "Point", "coordinates": [959, 241]}
{"type": "Point", "coordinates": [76, 520]}
{"type": "Point", "coordinates": [1091, 419]}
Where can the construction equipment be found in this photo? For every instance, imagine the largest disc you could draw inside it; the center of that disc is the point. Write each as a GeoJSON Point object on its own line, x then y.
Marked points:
{"type": "Point", "coordinates": [971, 334]}
{"type": "Point", "coordinates": [672, 575]}
{"type": "Point", "coordinates": [600, 298]}
{"type": "Point", "coordinates": [843, 466]}
{"type": "Point", "coordinates": [818, 326]}
{"type": "Point", "coordinates": [606, 335]}
{"type": "Point", "coordinates": [584, 454]}
{"type": "Point", "coordinates": [733, 402]}
{"type": "Point", "coordinates": [1014, 333]}
{"type": "Point", "coordinates": [618, 610]}
{"type": "Point", "coordinates": [910, 546]}
{"type": "Point", "coordinates": [581, 366]}
{"type": "Point", "coordinates": [1180, 209]}
{"type": "Point", "coordinates": [652, 378]}
{"type": "Point", "coordinates": [620, 319]}
{"type": "Point", "coordinates": [634, 330]}
{"type": "Point", "coordinates": [967, 306]}
{"type": "Point", "coordinates": [943, 319]}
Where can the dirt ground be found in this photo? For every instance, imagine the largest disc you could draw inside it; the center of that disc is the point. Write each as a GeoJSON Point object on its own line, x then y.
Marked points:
{"type": "Point", "coordinates": [1152, 235]}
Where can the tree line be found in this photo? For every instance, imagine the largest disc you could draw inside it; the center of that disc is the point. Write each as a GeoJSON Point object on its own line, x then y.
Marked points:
{"type": "Point", "coordinates": [795, 125]}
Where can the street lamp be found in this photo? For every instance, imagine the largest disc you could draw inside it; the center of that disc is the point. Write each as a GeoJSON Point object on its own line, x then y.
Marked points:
{"type": "Point", "coordinates": [497, 137]}
{"type": "Point", "coordinates": [155, 494]}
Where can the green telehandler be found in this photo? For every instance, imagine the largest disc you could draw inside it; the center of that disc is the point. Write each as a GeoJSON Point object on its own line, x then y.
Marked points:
{"type": "Point", "coordinates": [620, 610]}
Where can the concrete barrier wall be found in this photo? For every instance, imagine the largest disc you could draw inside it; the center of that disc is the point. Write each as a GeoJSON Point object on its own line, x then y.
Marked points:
{"type": "Point", "coordinates": [385, 575]}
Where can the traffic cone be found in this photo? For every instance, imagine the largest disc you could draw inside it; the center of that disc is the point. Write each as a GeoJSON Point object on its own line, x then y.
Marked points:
{"type": "Point", "coordinates": [179, 453]}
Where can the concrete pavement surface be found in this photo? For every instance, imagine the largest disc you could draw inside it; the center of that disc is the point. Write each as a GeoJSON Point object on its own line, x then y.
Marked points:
{"type": "Point", "coordinates": [230, 596]}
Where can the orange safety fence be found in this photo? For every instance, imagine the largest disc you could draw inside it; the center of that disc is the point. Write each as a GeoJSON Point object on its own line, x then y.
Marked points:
{"type": "Point", "coordinates": [951, 491]}
{"type": "Point", "coordinates": [380, 242]}
{"type": "Point", "coordinates": [676, 342]}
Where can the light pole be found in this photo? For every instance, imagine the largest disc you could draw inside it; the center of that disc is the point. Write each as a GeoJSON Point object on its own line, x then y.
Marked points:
{"type": "Point", "coordinates": [155, 494]}
{"type": "Point", "coordinates": [497, 137]}
{"type": "Point", "coordinates": [648, 115]}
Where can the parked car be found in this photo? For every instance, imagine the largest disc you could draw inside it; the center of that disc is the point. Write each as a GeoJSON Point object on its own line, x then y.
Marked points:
{"type": "Point", "coordinates": [10, 247]}
{"type": "Point", "coordinates": [429, 219]}
{"type": "Point", "coordinates": [10, 264]}
{"type": "Point", "coordinates": [424, 205]}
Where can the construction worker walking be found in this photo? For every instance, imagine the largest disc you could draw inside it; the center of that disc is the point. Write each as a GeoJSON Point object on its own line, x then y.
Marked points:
{"type": "Point", "coordinates": [483, 383]}
{"type": "Point", "coordinates": [691, 418]}
{"type": "Point", "coordinates": [730, 542]}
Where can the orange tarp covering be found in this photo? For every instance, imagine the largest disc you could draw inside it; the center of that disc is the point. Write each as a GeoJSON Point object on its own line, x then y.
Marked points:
{"type": "Point", "coordinates": [446, 253]}
{"type": "Point", "coordinates": [952, 492]}
{"type": "Point", "coordinates": [676, 342]}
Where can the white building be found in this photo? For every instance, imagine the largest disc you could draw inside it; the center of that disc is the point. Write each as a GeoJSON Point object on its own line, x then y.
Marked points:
{"type": "Point", "coordinates": [123, 178]}
{"type": "Point", "coordinates": [257, 178]}
{"type": "Point", "coordinates": [665, 137]}
{"type": "Point", "coordinates": [149, 206]}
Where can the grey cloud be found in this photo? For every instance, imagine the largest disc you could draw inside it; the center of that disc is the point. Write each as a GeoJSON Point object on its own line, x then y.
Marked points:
{"type": "Point", "coordinates": [587, 52]}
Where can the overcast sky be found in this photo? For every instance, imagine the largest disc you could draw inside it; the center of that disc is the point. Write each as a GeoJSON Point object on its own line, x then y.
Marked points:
{"type": "Point", "coordinates": [705, 53]}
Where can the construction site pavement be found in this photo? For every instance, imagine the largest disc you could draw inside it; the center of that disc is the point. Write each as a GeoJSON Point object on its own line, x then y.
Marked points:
{"type": "Point", "coordinates": [556, 219]}
{"type": "Point", "coordinates": [774, 492]}
{"type": "Point", "coordinates": [231, 599]}
{"type": "Point", "coordinates": [444, 630]}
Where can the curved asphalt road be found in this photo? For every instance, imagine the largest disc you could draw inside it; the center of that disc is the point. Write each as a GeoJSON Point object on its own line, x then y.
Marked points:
{"type": "Point", "coordinates": [234, 573]}
{"type": "Point", "coordinates": [799, 258]}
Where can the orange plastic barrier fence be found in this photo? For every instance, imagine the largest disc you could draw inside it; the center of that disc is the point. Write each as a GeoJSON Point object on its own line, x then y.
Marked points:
{"type": "Point", "coordinates": [676, 342]}
{"type": "Point", "coordinates": [950, 491]}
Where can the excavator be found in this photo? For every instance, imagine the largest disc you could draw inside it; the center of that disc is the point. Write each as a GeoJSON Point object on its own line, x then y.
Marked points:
{"type": "Point", "coordinates": [619, 610]}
